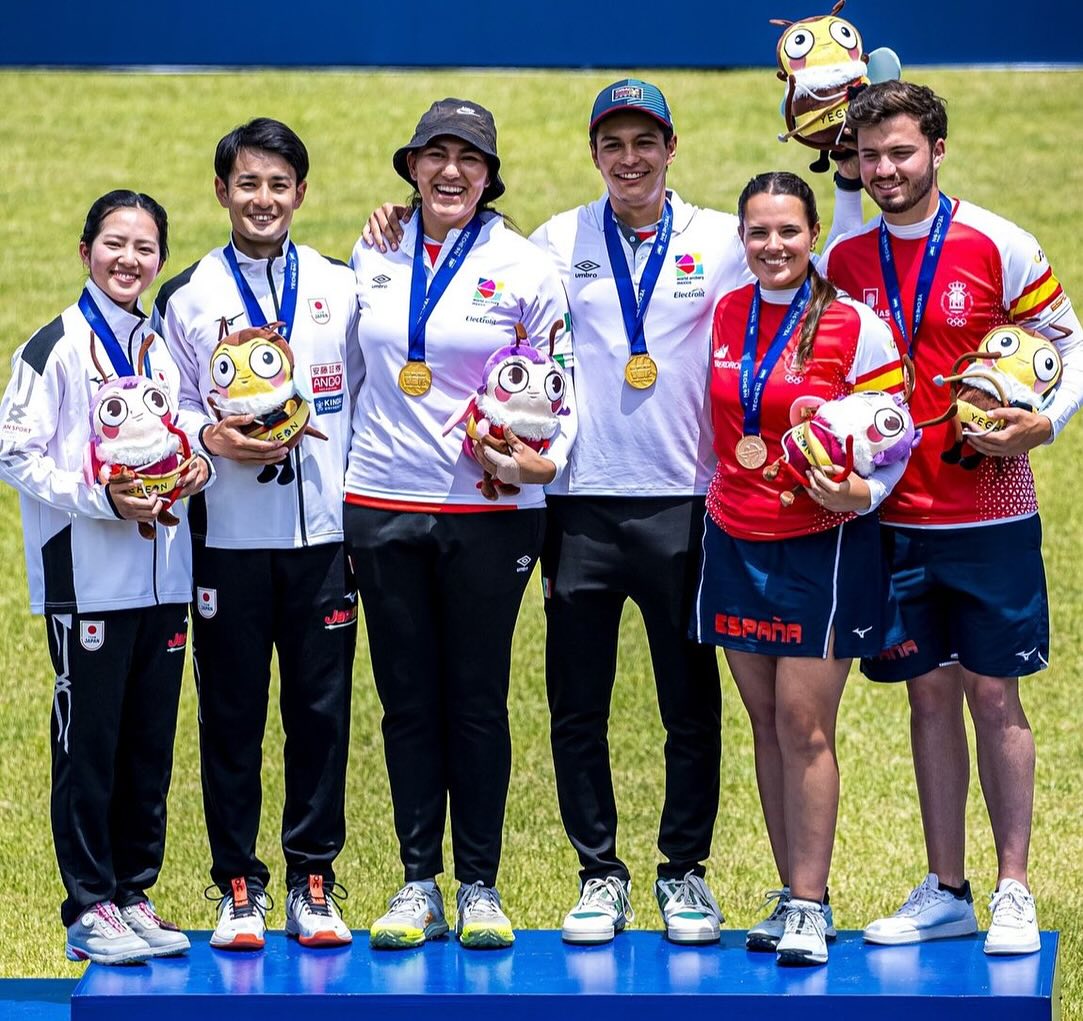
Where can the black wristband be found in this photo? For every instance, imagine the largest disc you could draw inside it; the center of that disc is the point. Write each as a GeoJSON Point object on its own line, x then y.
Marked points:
{"type": "Point", "coordinates": [109, 497]}
{"type": "Point", "coordinates": [209, 453]}
{"type": "Point", "coordinates": [847, 183]}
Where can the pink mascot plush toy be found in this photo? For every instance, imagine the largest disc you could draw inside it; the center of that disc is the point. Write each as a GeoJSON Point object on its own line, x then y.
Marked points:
{"type": "Point", "coordinates": [133, 437]}
{"type": "Point", "coordinates": [858, 433]}
{"type": "Point", "coordinates": [521, 389]}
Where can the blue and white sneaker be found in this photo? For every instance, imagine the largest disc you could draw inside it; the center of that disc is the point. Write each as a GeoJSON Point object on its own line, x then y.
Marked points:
{"type": "Point", "coordinates": [415, 914]}
{"type": "Point", "coordinates": [804, 938]}
{"type": "Point", "coordinates": [689, 910]}
{"type": "Point", "coordinates": [100, 935]}
{"type": "Point", "coordinates": [929, 913]}
{"type": "Point", "coordinates": [766, 934]}
{"type": "Point", "coordinates": [603, 910]}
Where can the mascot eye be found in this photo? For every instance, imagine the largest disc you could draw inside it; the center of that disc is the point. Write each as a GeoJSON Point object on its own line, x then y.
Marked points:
{"type": "Point", "coordinates": [223, 372]}
{"type": "Point", "coordinates": [266, 361]}
{"type": "Point", "coordinates": [112, 412]}
{"type": "Point", "coordinates": [1006, 343]}
{"type": "Point", "coordinates": [843, 34]}
{"type": "Point", "coordinates": [513, 377]}
{"type": "Point", "coordinates": [799, 44]}
{"type": "Point", "coordinates": [888, 422]}
{"type": "Point", "coordinates": [1046, 366]}
{"type": "Point", "coordinates": [156, 402]}
{"type": "Point", "coordinates": [554, 386]}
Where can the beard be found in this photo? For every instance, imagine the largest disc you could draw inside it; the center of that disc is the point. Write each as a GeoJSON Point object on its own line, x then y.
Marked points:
{"type": "Point", "coordinates": [913, 192]}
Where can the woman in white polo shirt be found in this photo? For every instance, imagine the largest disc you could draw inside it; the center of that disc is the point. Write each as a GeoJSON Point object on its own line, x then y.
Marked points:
{"type": "Point", "coordinates": [441, 569]}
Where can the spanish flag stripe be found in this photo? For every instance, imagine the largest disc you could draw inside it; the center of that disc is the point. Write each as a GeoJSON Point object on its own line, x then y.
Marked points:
{"type": "Point", "coordinates": [1035, 284]}
{"type": "Point", "coordinates": [888, 378]}
{"type": "Point", "coordinates": [1031, 302]}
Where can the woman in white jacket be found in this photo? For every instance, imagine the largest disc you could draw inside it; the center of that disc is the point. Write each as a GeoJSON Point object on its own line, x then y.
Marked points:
{"type": "Point", "coordinates": [442, 556]}
{"type": "Point", "coordinates": [114, 600]}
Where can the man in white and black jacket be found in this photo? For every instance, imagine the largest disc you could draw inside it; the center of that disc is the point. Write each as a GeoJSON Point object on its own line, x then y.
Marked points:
{"type": "Point", "coordinates": [269, 568]}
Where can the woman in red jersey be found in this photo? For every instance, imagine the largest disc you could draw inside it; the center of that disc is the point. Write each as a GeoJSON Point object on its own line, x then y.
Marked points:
{"type": "Point", "coordinates": [792, 593]}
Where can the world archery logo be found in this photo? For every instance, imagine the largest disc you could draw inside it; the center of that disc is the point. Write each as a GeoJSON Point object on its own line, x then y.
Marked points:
{"type": "Point", "coordinates": [689, 267]}
{"type": "Point", "coordinates": [488, 292]}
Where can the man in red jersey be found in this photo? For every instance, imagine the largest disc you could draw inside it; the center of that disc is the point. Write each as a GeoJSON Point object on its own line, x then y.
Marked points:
{"type": "Point", "coordinates": [967, 563]}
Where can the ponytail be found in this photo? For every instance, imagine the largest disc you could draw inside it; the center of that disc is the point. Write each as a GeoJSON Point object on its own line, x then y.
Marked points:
{"type": "Point", "coordinates": [823, 293]}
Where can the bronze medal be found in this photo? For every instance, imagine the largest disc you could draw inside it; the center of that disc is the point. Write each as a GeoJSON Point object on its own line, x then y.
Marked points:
{"type": "Point", "coordinates": [751, 452]}
{"type": "Point", "coordinates": [641, 372]}
{"type": "Point", "coordinates": [415, 378]}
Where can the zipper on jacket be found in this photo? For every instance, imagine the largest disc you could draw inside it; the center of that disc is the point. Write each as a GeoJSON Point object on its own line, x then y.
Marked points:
{"type": "Point", "coordinates": [154, 571]}
{"type": "Point", "coordinates": [296, 453]}
{"type": "Point", "coordinates": [271, 285]}
{"type": "Point", "coordinates": [300, 496]}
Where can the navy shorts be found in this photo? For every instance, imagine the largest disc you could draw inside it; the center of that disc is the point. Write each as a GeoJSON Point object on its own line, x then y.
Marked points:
{"type": "Point", "coordinates": [784, 597]}
{"type": "Point", "coordinates": [973, 595]}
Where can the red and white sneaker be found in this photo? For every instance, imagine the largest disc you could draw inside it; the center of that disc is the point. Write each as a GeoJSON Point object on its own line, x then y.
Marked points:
{"type": "Point", "coordinates": [241, 911]}
{"type": "Point", "coordinates": [312, 917]}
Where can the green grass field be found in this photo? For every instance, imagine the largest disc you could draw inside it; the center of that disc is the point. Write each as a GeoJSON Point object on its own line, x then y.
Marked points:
{"type": "Point", "coordinates": [69, 137]}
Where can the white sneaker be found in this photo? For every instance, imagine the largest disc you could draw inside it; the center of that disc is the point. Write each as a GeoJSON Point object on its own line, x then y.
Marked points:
{"type": "Point", "coordinates": [480, 921]}
{"type": "Point", "coordinates": [241, 924]}
{"type": "Point", "coordinates": [99, 934]}
{"type": "Point", "coordinates": [603, 910]}
{"type": "Point", "coordinates": [804, 938]}
{"type": "Point", "coordinates": [163, 938]}
{"type": "Point", "coordinates": [766, 934]}
{"type": "Point", "coordinates": [312, 917]}
{"type": "Point", "coordinates": [1014, 925]}
{"type": "Point", "coordinates": [929, 913]}
{"type": "Point", "coordinates": [689, 911]}
{"type": "Point", "coordinates": [414, 915]}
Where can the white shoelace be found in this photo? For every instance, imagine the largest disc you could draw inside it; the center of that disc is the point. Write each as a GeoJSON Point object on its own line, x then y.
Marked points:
{"type": "Point", "coordinates": [411, 898]}
{"type": "Point", "coordinates": [691, 892]}
{"type": "Point", "coordinates": [799, 919]}
{"type": "Point", "coordinates": [1010, 907]}
{"type": "Point", "coordinates": [609, 895]}
{"type": "Point", "coordinates": [480, 900]}
{"type": "Point", "coordinates": [921, 896]}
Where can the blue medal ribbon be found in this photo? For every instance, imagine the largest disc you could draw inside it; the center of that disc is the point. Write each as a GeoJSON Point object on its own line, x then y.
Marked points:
{"type": "Point", "coordinates": [121, 365]}
{"type": "Point", "coordinates": [754, 380]}
{"type": "Point", "coordinates": [287, 307]}
{"type": "Point", "coordinates": [634, 307]}
{"type": "Point", "coordinates": [423, 302]}
{"type": "Point", "coordinates": [934, 247]}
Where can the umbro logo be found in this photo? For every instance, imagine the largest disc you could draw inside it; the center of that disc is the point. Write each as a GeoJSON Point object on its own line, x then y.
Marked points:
{"type": "Point", "coordinates": [587, 268]}
{"type": "Point", "coordinates": [524, 563]}
{"type": "Point", "coordinates": [381, 281]}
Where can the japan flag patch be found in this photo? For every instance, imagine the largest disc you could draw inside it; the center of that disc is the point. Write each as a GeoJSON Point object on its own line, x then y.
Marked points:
{"type": "Point", "coordinates": [319, 311]}
{"type": "Point", "coordinates": [207, 602]}
{"type": "Point", "coordinates": [92, 634]}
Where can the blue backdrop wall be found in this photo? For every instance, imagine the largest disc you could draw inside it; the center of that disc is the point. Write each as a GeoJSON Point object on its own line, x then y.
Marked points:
{"type": "Point", "coordinates": [513, 33]}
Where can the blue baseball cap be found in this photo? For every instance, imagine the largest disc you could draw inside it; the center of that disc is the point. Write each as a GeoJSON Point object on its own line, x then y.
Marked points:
{"type": "Point", "coordinates": [631, 94]}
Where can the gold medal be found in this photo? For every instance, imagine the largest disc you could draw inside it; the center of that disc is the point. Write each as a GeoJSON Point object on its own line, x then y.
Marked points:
{"type": "Point", "coordinates": [751, 452]}
{"type": "Point", "coordinates": [641, 372]}
{"type": "Point", "coordinates": [415, 378]}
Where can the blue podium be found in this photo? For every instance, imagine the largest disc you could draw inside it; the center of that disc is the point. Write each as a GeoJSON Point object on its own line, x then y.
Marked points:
{"type": "Point", "coordinates": [540, 977]}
